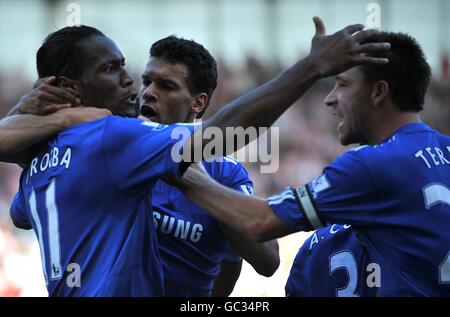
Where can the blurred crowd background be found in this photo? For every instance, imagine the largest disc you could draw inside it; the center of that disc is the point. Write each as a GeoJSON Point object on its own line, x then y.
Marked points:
{"type": "Point", "coordinates": [253, 40]}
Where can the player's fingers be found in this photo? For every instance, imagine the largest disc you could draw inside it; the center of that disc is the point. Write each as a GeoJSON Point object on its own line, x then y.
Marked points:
{"type": "Point", "coordinates": [48, 98]}
{"type": "Point", "coordinates": [362, 59]}
{"type": "Point", "coordinates": [44, 80]}
{"type": "Point", "coordinates": [350, 29]}
{"type": "Point", "coordinates": [373, 47]}
{"type": "Point", "coordinates": [53, 108]}
{"type": "Point", "coordinates": [365, 35]}
{"type": "Point", "coordinates": [320, 27]}
{"type": "Point", "coordinates": [65, 95]}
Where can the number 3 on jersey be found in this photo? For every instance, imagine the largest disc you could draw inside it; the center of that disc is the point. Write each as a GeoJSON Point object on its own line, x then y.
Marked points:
{"type": "Point", "coordinates": [53, 246]}
{"type": "Point", "coordinates": [345, 260]}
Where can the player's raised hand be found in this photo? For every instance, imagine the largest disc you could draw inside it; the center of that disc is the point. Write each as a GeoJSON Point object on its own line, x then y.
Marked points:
{"type": "Point", "coordinates": [45, 98]}
{"type": "Point", "coordinates": [344, 49]}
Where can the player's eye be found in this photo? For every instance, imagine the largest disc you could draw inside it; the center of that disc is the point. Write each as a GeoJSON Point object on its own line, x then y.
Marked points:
{"type": "Point", "coordinates": [109, 68]}
{"type": "Point", "coordinates": [167, 86]}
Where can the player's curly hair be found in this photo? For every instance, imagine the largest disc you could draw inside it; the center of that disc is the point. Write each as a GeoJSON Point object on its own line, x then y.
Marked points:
{"type": "Point", "coordinates": [407, 73]}
{"type": "Point", "coordinates": [202, 67]}
{"type": "Point", "coordinates": [61, 55]}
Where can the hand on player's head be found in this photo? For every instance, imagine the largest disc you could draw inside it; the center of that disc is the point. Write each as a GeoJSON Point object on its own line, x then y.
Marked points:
{"type": "Point", "coordinates": [46, 98]}
{"type": "Point", "coordinates": [345, 49]}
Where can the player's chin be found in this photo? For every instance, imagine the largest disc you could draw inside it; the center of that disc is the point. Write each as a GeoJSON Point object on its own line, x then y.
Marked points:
{"type": "Point", "coordinates": [344, 138]}
{"type": "Point", "coordinates": [130, 112]}
{"type": "Point", "coordinates": [344, 142]}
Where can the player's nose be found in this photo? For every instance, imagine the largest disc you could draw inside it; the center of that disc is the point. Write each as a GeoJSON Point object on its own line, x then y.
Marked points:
{"type": "Point", "coordinates": [149, 93]}
{"type": "Point", "coordinates": [126, 79]}
{"type": "Point", "coordinates": [330, 99]}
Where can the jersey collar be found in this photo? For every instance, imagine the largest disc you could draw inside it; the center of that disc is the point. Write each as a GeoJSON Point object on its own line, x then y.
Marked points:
{"type": "Point", "coordinates": [410, 128]}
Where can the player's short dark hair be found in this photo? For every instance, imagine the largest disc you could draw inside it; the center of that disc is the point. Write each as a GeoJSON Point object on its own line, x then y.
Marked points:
{"type": "Point", "coordinates": [61, 54]}
{"type": "Point", "coordinates": [202, 67]}
{"type": "Point", "coordinates": [407, 73]}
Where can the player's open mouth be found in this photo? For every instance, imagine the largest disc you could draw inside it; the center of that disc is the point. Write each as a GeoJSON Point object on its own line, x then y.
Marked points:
{"type": "Point", "coordinates": [131, 98]}
{"type": "Point", "coordinates": [148, 112]}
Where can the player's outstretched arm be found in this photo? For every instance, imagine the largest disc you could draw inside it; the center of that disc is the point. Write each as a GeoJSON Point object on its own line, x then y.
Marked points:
{"type": "Point", "coordinates": [20, 133]}
{"type": "Point", "coordinates": [250, 216]}
{"type": "Point", "coordinates": [329, 55]}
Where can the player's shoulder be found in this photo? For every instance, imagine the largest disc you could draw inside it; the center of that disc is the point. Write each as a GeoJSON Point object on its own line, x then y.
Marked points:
{"type": "Point", "coordinates": [128, 130]}
{"type": "Point", "coordinates": [225, 169]}
{"type": "Point", "coordinates": [132, 126]}
{"type": "Point", "coordinates": [85, 129]}
{"type": "Point", "coordinates": [223, 164]}
{"type": "Point", "coordinates": [124, 123]}
{"type": "Point", "coordinates": [370, 155]}
{"type": "Point", "coordinates": [406, 139]}
{"type": "Point", "coordinates": [358, 156]}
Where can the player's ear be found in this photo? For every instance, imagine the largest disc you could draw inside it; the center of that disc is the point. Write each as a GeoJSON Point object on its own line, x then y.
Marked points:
{"type": "Point", "coordinates": [71, 85]}
{"type": "Point", "coordinates": [199, 103]}
{"type": "Point", "coordinates": [380, 93]}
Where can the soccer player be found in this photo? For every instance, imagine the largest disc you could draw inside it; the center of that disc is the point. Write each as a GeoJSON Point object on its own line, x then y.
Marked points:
{"type": "Point", "coordinates": [177, 85]}
{"type": "Point", "coordinates": [85, 192]}
{"type": "Point", "coordinates": [100, 173]}
{"type": "Point", "coordinates": [394, 191]}
{"type": "Point", "coordinates": [330, 263]}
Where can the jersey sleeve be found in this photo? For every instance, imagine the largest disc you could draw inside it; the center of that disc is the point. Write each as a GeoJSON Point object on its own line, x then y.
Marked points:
{"type": "Point", "coordinates": [18, 211]}
{"type": "Point", "coordinates": [236, 176]}
{"type": "Point", "coordinates": [139, 151]}
{"type": "Point", "coordinates": [345, 193]}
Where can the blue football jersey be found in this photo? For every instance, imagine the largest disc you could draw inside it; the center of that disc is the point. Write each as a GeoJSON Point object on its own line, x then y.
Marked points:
{"type": "Point", "coordinates": [191, 243]}
{"type": "Point", "coordinates": [396, 195]}
{"type": "Point", "coordinates": [330, 263]}
{"type": "Point", "coordinates": [86, 197]}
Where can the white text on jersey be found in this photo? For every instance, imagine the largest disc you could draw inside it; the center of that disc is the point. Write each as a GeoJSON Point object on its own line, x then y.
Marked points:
{"type": "Point", "coordinates": [435, 156]}
{"type": "Point", "coordinates": [51, 159]}
{"type": "Point", "coordinates": [179, 228]}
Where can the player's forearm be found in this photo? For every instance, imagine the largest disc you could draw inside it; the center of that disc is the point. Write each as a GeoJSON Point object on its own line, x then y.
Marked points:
{"type": "Point", "coordinates": [262, 106]}
{"type": "Point", "coordinates": [13, 111]}
{"type": "Point", "coordinates": [243, 213]}
{"type": "Point", "coordinates": [18, 133]}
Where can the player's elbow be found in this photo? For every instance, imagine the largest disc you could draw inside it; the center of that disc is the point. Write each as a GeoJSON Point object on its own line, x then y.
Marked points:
{"type": "Point", "coordinates": [270, 266]}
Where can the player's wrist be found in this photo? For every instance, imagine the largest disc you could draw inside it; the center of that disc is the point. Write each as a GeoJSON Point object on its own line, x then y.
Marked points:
{"type": "Point", "coordinates": [316, 66]}
{"type": "Point", "coordinates": [62, 120]}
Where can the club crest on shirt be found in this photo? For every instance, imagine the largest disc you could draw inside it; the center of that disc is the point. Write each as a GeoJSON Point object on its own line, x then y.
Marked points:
{"type": "Point", "coordinates": [319, 184]}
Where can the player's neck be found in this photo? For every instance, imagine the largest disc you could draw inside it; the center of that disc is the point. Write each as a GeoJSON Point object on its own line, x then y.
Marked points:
{"type": "Point", "coordinates": [389, 126]}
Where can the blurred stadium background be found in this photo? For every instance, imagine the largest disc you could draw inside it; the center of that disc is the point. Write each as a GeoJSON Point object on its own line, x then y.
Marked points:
{"type": "Point", "coordinates": [252, 40]}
